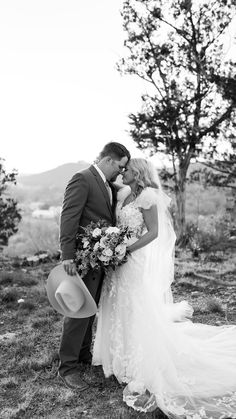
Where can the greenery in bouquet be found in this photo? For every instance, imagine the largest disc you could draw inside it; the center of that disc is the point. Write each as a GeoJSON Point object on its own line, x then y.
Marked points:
{"type": "Point", "coordinates": [101, 246]}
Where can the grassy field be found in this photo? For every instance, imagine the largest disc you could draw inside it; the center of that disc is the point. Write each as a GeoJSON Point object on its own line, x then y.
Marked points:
{"type": "Point", "coordinates": [30, 335]}
{"type": "Point", "coordinates": [36, 234]}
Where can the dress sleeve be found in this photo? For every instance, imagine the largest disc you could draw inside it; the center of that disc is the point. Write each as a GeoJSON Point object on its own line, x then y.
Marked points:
{"type": "Point", "coordinates": [147, 198]}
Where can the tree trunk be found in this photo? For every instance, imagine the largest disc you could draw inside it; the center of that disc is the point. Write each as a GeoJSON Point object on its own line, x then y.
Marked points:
{"type": "Point", "coordinates": [180, 196]}
{"type": "Point", "coordinates": [181, 221]}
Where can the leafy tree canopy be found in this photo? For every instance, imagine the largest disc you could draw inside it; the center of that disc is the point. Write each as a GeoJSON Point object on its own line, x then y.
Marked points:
{"type": "Point", "coordinates": [177, 47]}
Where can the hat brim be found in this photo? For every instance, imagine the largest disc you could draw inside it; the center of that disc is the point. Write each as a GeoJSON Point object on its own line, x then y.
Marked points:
{"type": "Point", "coordinates": [55, 278]}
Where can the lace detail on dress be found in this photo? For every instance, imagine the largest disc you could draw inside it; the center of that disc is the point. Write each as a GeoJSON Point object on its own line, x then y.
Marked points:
{"type": "Point", "coordinates": [130, 216]}
{"type": "Point", "coordinates": [213, 408]}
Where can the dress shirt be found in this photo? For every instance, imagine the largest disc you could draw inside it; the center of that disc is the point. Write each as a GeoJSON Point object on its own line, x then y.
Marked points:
{"type": "Point", "coordinates": [105, 181]}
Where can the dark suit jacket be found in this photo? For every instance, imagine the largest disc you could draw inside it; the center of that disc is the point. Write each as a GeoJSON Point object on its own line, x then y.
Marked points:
{"type": "Point", "coordinates": [86, 199]}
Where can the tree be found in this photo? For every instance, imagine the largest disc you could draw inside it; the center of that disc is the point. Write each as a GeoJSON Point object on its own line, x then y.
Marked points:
{"type": "Point", "coordinates": [218, 172]}
{"type": "Point", "coordinates": [177, 48]}
{"type": "Point", "coordinates": [9, 213]}
{"type": "Point", "coordinates": [220, 169]}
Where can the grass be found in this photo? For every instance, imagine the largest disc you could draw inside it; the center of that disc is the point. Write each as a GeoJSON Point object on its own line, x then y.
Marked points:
{"type": "Point", "coordinates": [16, 278]}
{"type": "Point", "coordinates": [29, 386]}
{"type": "Point", "coordinates": [27, 306]}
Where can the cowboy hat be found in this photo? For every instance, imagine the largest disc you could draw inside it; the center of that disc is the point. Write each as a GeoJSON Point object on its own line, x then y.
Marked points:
{"type": "Point", "coordinates": [69, 295]}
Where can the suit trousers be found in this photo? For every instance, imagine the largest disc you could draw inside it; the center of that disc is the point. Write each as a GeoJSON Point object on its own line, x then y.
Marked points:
{"type": "Point", "coordinates": [77, 333]}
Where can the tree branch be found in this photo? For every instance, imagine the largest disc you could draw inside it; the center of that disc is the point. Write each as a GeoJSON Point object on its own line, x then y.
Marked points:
{"type": "Point", "coordinates": [214, 168]}
{"type": "Point", "coordinates": [225, 115]}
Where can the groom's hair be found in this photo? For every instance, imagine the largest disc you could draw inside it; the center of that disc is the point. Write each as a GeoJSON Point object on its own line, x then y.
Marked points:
{"type": "Point", "coordinates": [115, 150]}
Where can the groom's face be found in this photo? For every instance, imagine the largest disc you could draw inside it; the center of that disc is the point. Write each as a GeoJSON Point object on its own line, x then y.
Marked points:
{"type": "Point", "coordinates": [117, 167]}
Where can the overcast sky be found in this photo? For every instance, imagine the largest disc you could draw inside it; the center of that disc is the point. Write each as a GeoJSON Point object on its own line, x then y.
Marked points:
{"type": "Point", "coordinates": [61, 98]}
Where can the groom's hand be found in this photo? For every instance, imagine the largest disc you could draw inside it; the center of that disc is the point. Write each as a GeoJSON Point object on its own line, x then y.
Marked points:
{"type": "Point", "coordinates": [69, 266]}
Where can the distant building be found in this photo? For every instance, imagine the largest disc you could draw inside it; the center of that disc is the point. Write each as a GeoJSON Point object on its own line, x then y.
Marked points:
{"type": "Point", "coordinates": [50, 213]}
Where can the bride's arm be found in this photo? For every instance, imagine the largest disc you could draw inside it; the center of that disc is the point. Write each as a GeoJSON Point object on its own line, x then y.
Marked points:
{"type": "Point", "coordinates": [151, 221]}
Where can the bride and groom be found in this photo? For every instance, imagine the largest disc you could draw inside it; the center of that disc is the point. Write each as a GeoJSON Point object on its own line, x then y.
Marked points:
{"type": "Point", "coordinates": [187, 370]}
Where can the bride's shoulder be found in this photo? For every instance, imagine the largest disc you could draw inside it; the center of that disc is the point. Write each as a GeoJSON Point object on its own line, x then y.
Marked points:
{"type": "Point", "coordinates": [147, 197]}
{"type": "Point", "coordinates": [122, 193]}
{"type": "Point", "coordinates": [152, 196]}
{"type": "Point", "coordinates": [149, 192]}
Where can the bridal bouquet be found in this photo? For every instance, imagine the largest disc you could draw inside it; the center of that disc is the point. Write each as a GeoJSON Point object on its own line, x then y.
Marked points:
{"type": "Point", "coordinates": [101, 246]}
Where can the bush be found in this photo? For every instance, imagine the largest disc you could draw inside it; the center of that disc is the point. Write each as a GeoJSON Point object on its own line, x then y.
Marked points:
{"type": "Point", "coordinates": [6, 278]}
{"type": "Point", "coordinates": [27, 306]}
{"type": "Point", "coordinates": [9, 296]}
{"type": "Point", "coordinates": [208, 232]}
{"type": "Point", "coordinates": [34, 235]}
{"type": "Point", "coordinates": [213, 305]}
{"type": "Point", "coordinates": [9, 212]}
{"type": "Point", "coordinates": [17, 278]}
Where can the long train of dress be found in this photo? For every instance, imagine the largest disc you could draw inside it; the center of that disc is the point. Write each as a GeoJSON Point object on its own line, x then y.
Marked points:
{"type": "Point", "coordinates": [187, 370]}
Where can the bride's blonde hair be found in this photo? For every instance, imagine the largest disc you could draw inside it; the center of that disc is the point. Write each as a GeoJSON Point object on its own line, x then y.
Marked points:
{"type": "Point", "coordinates": [145, 174]}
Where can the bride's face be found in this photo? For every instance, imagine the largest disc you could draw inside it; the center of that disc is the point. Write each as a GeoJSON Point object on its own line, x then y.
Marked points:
{"type": "Point", "coordinates": [128, 176]}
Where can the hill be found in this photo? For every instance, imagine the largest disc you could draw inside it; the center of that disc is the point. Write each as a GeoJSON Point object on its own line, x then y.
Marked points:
{"type": "Point", "coordinates": [46, 187]}
{"type": "Point", "coordinates": [57, 177]}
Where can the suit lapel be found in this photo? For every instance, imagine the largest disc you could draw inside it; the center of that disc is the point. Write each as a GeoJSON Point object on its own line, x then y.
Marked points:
{"type": "Point", "coordinates": [102, 187]}
{"type": "Point", "coordinates": [114, 202]}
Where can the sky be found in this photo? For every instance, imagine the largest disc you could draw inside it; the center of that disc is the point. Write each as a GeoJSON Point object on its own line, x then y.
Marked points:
{"type": "Point", "coordinates": [61, 97]}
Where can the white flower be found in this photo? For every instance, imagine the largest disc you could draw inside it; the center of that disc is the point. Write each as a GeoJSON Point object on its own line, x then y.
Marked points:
{"type": "Point", "coordinates": [33, 258]}
{"type": "Point", "coordinates": [107, 252]}
{"type": "Point", "coordinates": [202, 412]}
{"type": "Point", "coordinates": [111, 230]}
{"type": "Point", "coordinates": [103, 258]}
{"type": "Point", "coordinates": [85, 243]}
{"type": "Point", "coordinates": [120, 251]}
{"type": "Point", "coordinates": [103, 242]}
{"type": "Point", "coordinates": [125, 240]}
{"type": "Point", "coordinates": [96, 246]}
{"type": "Point", "coordinates": [96, 232]}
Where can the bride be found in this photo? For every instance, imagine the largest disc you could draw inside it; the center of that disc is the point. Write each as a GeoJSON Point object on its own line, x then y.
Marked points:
{"type": "Point", "coordinates": [148, 342]}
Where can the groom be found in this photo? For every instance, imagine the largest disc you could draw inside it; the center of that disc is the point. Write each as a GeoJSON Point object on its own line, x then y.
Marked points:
{"type": "Point", "coordinates": [89, 196]}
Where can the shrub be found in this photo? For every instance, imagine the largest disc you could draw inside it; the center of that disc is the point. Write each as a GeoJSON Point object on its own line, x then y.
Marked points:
{"type": "Point", "coordinates": [6, 278]}
{"type": "Point", "coordinates": [9, 212]}
{"type": "Point", "coordinates": [9, 296]}
{"type": "Point", "coordinates": [24, 281]}
{"type": "Point", "coordinates": [41, 323]}
{"type": "Point", "coordinates": [213, 305]}
{"type": "Point", "coordinates": [207, 232]}
{"type": "Point", "coordinates": [17, 278]}
{"type": "Point", "coordinates": [9, 383]}
{"type": "Point", "coordinates": [22, 349]}
{"type": "Point", "coordinates": [27, 306]}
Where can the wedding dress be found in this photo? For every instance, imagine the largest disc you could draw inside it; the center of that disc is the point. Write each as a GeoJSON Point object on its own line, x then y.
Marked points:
{"type": "Point", "coordinates": [187, 370]}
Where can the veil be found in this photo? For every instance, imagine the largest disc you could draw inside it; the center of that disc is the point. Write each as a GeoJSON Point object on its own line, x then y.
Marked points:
{"type": "Point", "coordinates": [161, 253]}
{"type": "Point", "coordinates": [185, 369]}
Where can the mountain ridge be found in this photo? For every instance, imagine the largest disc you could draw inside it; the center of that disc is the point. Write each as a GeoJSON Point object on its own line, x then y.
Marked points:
{"type": "Point", "coordinates": [56, 177]}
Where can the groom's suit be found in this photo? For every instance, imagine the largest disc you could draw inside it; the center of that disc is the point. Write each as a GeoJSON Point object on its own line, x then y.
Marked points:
{"type": "Point", "coordinates": [86, 199]}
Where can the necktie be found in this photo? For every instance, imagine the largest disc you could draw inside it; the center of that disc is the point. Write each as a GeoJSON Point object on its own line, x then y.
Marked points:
{"type": "Point", "coordinates": [109, 191]}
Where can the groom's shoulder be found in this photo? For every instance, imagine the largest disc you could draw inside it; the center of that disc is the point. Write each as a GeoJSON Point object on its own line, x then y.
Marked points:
{"type": "Point", "coordinates": [85, 176]}
{"type": "Point", "coordinates": [86, 173]}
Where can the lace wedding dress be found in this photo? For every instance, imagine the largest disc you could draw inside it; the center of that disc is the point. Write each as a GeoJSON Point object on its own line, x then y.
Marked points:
{"type": "Point", "coordinates": [187, 370]}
